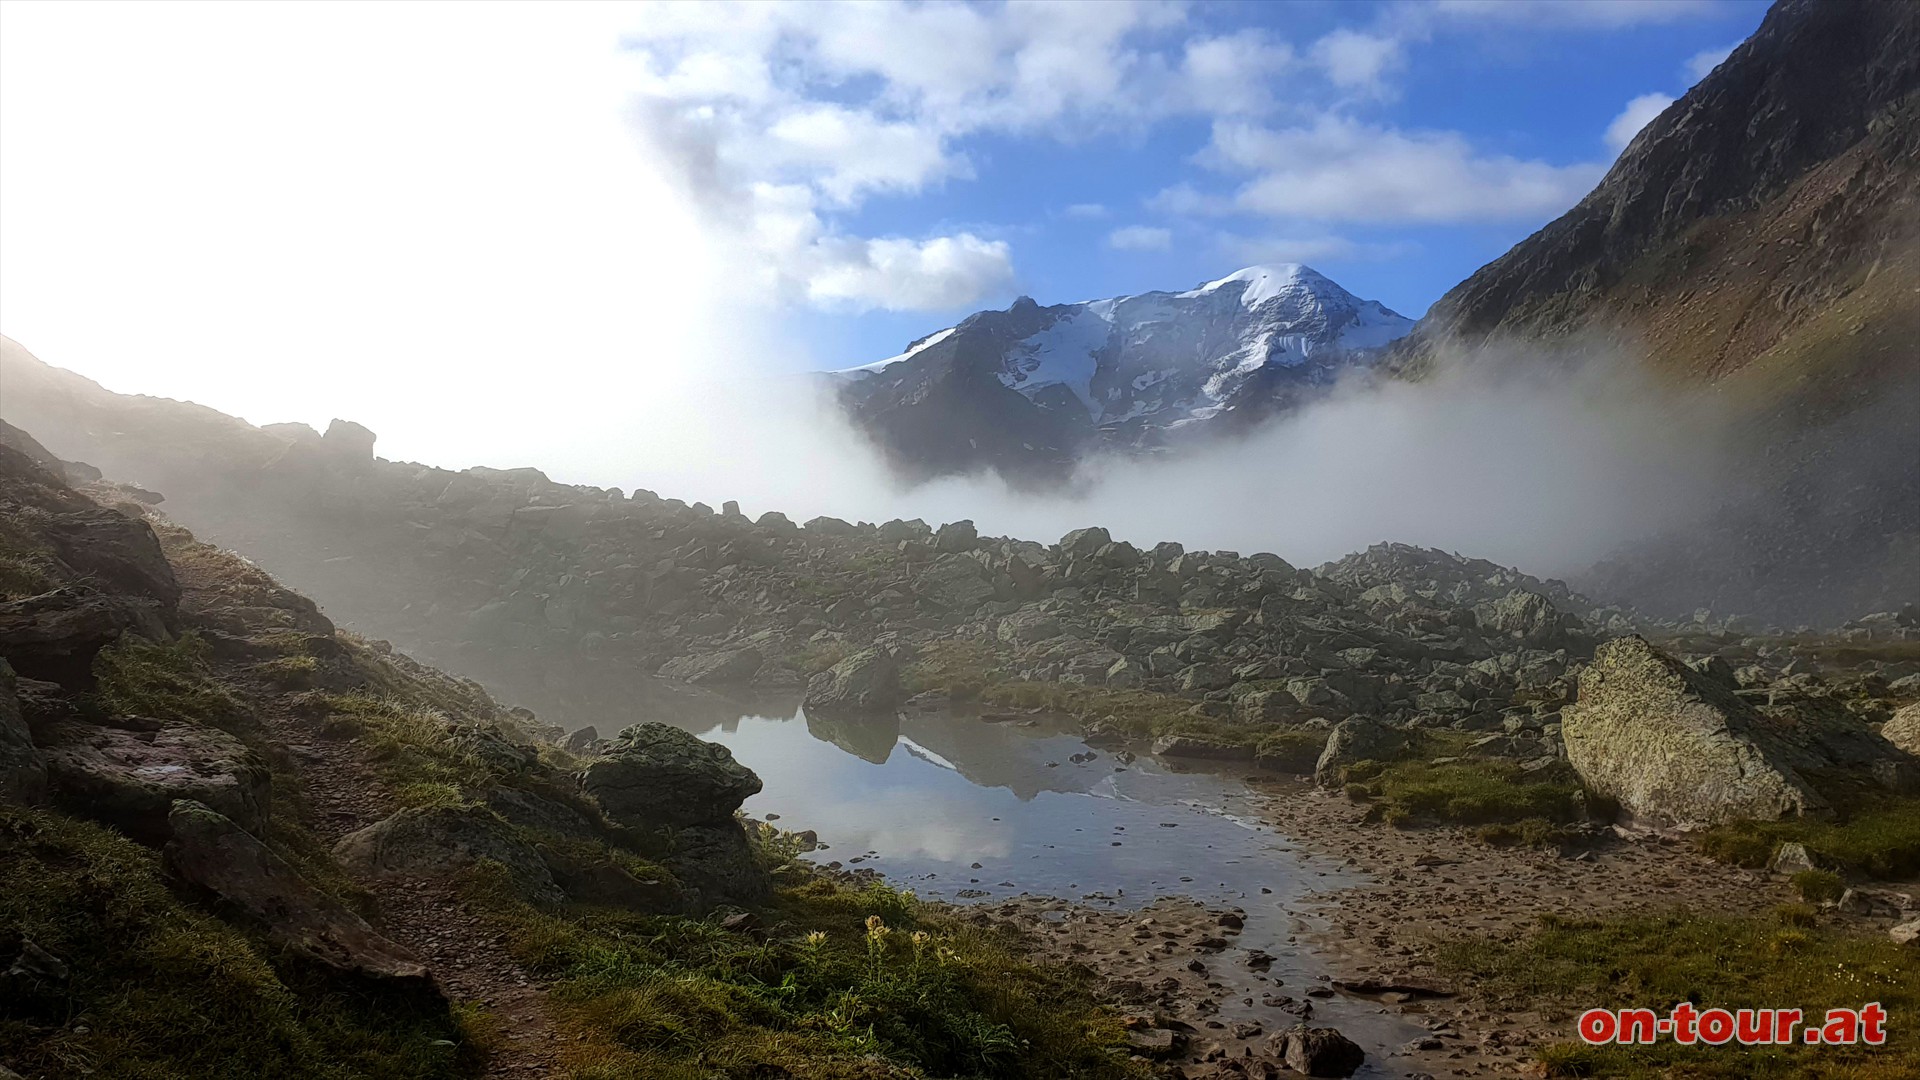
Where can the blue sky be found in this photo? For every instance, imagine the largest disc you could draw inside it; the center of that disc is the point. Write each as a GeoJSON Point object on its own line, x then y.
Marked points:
{"type": "Point", "coordinates": [488, 222]}
{"type": "Point", "coordinates": [1137, 186]}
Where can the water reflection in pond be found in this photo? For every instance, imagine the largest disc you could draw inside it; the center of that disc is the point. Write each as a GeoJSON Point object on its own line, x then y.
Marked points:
{"type": "Point", "coordinates": [924, 797]}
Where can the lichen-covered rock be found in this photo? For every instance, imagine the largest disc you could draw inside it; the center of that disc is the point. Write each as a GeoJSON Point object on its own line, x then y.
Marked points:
{"type": "Point", "coordinates": [955, 583]}
{"type": "Point", "coordinates": [715, 669]}
{"type": "Point", "coordinates": [1676, 747]}
{"type": "Point", "coordinates": [1354, 740]}
{"type": "Point", "coordinates": [654, 774]}
{"type": "Point", "coordinates": [55, 635]}
{"type": "Point", "coordinates": [867, 681]}
{"type": "Point", "coordinates": [1903, 730]}
{"type": "Point", "coordinates": [441, 841]}
{"type": "Point", "coordinates": [1527, 617]}
{"type": "Point", "coordinates": [130, 778]}
{"type": "Point", "coordinates": [207, 850]}
{"type": "Point", "coordinates": [23, 771]}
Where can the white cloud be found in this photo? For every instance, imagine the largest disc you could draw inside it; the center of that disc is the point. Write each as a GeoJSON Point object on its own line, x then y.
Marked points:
{"type": "Point", "coordinates": [1702, 63]}
{"type": "Point", "coordinates": [1248, 250]}
{"type": "Point", "coordinates": [1343, 170]}
{"type": "Point", "coordinates": [1140, 238]}
{"type": "Point", "coordinates": [905, 275]}
{"type": "Point", "coordinates": [1356, 61]}
{"type": "Point", "coordinates": [1603, 14]}
{"type": "Point", "coordinates": [1087, 211]}
{"type": "Point", "coordinates": [1234, 74]}
{"type": "Point", "coordinates": [1638, 114]}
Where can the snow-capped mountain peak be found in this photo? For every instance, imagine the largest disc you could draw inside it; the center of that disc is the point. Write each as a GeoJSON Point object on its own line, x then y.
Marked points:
{"type": "Point", "coordinates": [1263, 283]}
{"type": "Point", "coordinates": [1127, 364]}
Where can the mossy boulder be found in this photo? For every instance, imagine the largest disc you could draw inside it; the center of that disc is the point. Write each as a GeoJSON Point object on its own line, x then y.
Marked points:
{"type": "Point", "coordinates": [655, 774]}
{"type": "Point", "coordinates": [1676, 747]}
{"type": "Point", "coordinates": [441, 842]}
{"type": "Point", "coordinates": [867, 681]}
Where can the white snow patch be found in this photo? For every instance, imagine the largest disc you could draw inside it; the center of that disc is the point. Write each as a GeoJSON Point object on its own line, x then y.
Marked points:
{"type": "Point", "coordinates": [865, 370]}
{"type": "Point", "coordinates": [1062, 354]}
{"type": "Point", "coordinates": [1263, 282]}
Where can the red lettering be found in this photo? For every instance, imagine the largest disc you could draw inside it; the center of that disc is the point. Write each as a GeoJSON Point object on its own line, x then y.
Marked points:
{"type": "Point", "coordinates": [1598, 1026]}
{"type": "Point", "coordinates": [1784, 1021]}
{"type": "Point", "coordinates": [1873, 1021]}
{"type": "Point", "coordinates": [1842, 1026]}
{"type": "Point", "coordinates": [1683, 1020]}
{"type": "Point", "coordinates": [1753, 1026]}
{"type": "Point", "coordinates": [1716, 1026]}
{"type": "Point", "coordinates": [1638, 1026]}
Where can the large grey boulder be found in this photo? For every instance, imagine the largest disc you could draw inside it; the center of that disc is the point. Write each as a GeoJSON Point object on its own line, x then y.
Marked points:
{"type": "Point", "coordinates": [1028, 625]}
{"type": "Point", "coordinates": [1527, 617]}
{"type": "Point", "coordinates": [658, 777]}
{"type": "Point", "coordinates": [1676, 747]}
{"type": "Point", "coordinates": [130, 778]}
{"type": "Point", "coordinates": [956, 583]}
{"type": "Point", "coordinates": [1082, 543]}
{"type": "Point", "coordinates": [1353, 740]}
{"type": "Point", "coordinates": [867, 681]}
{"type": "Point", "coordinates": [440, 842]}
{"type": "Point", "coordinates": [23, 770]}
{"type": "Point", "coordinates": [654, 774]}
{"type": "Point", "coordinates": [208, 851]}
{"type": "Point", "coordinates": [715, 669]}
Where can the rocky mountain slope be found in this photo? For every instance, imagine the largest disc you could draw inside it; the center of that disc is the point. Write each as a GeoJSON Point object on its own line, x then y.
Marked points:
{"type": "Point", "coordinates": [1028, 389]}
{"type": "Point", "coordinates": [239, 842]}
{"type": "Point", "coordinates": [1763, 235]}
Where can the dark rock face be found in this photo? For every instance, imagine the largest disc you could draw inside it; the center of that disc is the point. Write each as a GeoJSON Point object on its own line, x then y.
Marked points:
{"type": "Point", "coordinates": [867, 681]}
{"type": "Point", "coordinates": [55, 635]}
{"type": "Point", "coordinates": [654, 774]}
{"type": "Point", "coordinates": [209, 851]}
{"type": "Point", "coordinates": [438, 842]}
{"type": "Point", "coordinates": [23, 770]}
{"type": "Point", "coordinates": [131, 778]}
{"type": "Point", "coordinates": [1318, 1052]}
{"type": "Point", "coordinates": [120, 551]}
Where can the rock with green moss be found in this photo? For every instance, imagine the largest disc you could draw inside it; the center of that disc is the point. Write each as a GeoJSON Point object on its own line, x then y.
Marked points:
{"type": "Point", "coordinates": [208, 851]}
{"type": "Point", "coordinates": [1353, 740]}
{"type": "Point", "coordinates": [867, 681]}
{"type": "Point", "coordinates": [440, 842]}
{"type": "Point", "coordinates": [655, 774]}
{"type": "Point", "coordinates": [129, 776]}
{"type": "Point", "coordinates": [1675, 747]}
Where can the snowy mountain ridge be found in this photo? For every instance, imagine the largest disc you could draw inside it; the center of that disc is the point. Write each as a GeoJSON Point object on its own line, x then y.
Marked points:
{"type": "Point", "coordinates": [1125, 368]}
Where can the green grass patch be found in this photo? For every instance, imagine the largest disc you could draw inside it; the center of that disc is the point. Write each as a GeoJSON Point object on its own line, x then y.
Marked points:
{"type": "Point", "coordinates": [1877, 837]}
{"type": "Point", "coordinates": [160, 990]}
{"type": "Point", "coordinates": [1295, 750]}
{"type": "Point", "coordinates": [1657, 961]}
{"type": "Point", "coordinates": [411, 749]}
{"type": "Point", "coordinates": [166, 681]}
{"type": "Point", "coordinates": [1472, 793]}
{"type": "Point", "coordinates": [839, 976]}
